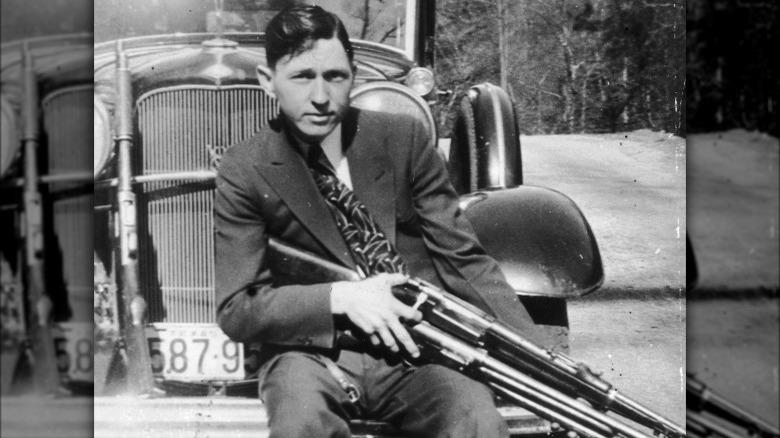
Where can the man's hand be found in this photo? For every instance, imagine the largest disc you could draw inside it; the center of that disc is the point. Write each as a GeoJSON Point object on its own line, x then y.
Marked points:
{"type": "Point", "coordinates": [371, 306]}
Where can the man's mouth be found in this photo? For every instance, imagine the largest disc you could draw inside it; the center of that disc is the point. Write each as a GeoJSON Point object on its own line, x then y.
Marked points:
{"type": "Point", "coordinates": [319, 117]}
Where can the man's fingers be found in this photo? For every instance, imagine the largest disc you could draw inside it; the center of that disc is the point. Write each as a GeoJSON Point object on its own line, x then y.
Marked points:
{"type": "Point", "coordinates": [367, 328]}
{"type": "Point", "coordinates": [380, 316]}
{"type": "Point", "coordinates": [404, 338]}
{"type": "Point", "coordinates": [388, 338]}
{"type": "Point", "coordinates": [391, 279]}
{"type": "Point", "coordinates": [407, 313]}
{"type": "Point", "coordinates": [396, 279]}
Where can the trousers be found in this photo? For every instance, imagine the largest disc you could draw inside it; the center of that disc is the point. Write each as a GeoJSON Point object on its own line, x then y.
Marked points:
{"type": "Point", "coordinates": [303, 399]}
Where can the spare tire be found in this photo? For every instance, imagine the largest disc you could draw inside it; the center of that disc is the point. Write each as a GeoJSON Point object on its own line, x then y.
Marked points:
{"type": "Point", "coordinates": [485, 149]}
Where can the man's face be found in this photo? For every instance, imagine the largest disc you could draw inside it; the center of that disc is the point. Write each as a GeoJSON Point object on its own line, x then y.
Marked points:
{"type": "Point", "coordinates": [312, 88]}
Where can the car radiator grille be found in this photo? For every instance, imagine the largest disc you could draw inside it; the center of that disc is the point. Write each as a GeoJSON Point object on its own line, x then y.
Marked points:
{"type": "Point", "coordinates": [67, 119]}
{"type": "Point", "coordinates": [185, 129]}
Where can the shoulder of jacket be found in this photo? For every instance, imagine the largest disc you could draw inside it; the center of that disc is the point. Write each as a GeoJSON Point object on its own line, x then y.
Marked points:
{"type": "Point", "coordinates": [252, 147]}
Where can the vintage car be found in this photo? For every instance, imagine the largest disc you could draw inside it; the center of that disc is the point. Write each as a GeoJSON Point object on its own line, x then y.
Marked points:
{"type": "Point", "coordinates": [46, 213]}
{"type": "Point", "coordinates": [168, 106]}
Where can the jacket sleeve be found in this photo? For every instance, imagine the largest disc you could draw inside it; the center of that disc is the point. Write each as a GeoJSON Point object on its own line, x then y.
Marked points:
{"type": "Point", "coordinates": [250, 308]}
{"type": "Point", "coordinates": [460, 260]}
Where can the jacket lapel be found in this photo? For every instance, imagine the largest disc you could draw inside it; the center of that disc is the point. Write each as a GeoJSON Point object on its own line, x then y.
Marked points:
{"type": "Point", "coordinates": [287, 173]}
{"type": "Point", "coordinates": [371, 170]}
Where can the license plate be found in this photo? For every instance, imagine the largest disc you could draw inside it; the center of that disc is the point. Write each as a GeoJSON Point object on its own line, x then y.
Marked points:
{"type": "Point", "coordinates": [194, 352]}
{"type": "Point", "coordinates": [74, 346]}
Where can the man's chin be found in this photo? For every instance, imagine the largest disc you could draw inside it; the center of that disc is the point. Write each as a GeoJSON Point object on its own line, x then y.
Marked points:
{"type": "Point", "coordinates": [314, 133]}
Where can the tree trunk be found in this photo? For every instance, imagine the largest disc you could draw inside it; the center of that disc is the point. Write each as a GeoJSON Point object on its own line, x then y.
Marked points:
{"type": "Point", "coordinates": [584, 97]}
{"type": "Point", "coordinates": [503, 49]}
{"type": "Point", "coordinates": [539, 119]}
{"type": "Point", "coordinates": [568, 108]}
{"type": "Point", "coordinates": [625, 87]}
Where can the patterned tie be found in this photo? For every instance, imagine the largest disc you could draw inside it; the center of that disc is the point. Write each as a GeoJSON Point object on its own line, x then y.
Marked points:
{"type": "Point", "coordinates": [368, 245]}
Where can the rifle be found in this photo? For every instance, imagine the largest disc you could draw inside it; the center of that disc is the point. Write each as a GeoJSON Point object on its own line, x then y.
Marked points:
{"type": "Point", "coordinates": [132, 314]}
{"type": "Point", "coordinates": [38, 347]}
{"type": "Point", "coordinates": [457, 334]}
{"type": "Point", "coordinates": [711, 415]}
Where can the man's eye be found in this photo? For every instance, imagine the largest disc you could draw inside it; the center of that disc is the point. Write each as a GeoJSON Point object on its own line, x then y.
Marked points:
{"type": "Point", "coordinates": [302, 76]}
{"type": "Point", "coordinates": [336, 77]}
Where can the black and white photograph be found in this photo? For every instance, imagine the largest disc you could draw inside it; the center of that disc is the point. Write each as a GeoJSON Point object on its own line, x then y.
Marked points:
{"type": "Point", "coordinates": [389, 218]}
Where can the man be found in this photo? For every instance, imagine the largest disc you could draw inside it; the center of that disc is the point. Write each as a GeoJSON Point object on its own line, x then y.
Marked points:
{"type": "Point", "coordinates": [292, 181]}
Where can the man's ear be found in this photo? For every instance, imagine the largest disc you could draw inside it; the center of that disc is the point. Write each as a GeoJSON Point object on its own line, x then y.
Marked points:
{"type": "Point", "coordinates": [265, 76]}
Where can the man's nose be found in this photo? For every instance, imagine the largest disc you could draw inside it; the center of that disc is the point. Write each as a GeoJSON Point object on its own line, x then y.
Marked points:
{"type": "Point", "coordinates": [319, 92]}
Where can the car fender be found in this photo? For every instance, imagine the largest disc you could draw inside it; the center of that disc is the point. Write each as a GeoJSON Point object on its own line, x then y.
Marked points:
{"type": "Point", "coordinates": [540, 238]}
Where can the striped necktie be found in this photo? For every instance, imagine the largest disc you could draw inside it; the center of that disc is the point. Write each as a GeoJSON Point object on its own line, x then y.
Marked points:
{"type": "Point", "coordinates": [372, 252]}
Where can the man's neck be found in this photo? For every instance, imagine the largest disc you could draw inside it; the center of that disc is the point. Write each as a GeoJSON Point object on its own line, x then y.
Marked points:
{"type": "Point", "coordinates": [331, 146]}
{"type": "Point", "coordinates": [333, 149]}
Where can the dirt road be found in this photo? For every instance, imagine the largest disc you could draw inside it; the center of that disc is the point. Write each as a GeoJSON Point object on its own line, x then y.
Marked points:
{"type": "Point", "coordinates": [639, 345]}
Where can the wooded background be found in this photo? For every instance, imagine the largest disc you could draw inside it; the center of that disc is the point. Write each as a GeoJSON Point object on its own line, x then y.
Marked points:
{"type": "Point", "coordinates": [570, 65]}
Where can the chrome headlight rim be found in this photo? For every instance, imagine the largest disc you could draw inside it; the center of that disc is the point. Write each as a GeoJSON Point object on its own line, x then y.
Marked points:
{"type": "Point", "coordinates": [421, 80]}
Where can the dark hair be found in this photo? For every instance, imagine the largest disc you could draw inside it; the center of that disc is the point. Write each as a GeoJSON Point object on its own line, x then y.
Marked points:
{"type": "Point", "coordinates": [294, 29]}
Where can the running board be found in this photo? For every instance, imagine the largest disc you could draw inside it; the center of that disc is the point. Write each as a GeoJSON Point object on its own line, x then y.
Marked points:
{"type": "Point", "coordinates": [218, 417]}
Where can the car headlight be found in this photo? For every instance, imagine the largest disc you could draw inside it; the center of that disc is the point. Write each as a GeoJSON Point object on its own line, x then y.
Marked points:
{"type": "Point", "coordinates": [420, 79]}
{"type": "Point", "coordinates": [9, 141]}
{"type": "Point", "coordinates": [103, 146]}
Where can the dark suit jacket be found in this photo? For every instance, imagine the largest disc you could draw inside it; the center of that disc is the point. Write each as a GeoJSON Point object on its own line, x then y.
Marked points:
{"type": "Point", "coordinates": [264, 188]}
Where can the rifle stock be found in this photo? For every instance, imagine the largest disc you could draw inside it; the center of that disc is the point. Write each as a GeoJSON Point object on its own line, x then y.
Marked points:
{"type": "Point", "coordinates": [39, 348]}
{"type": "Point", "coordinates": [301, 267]}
